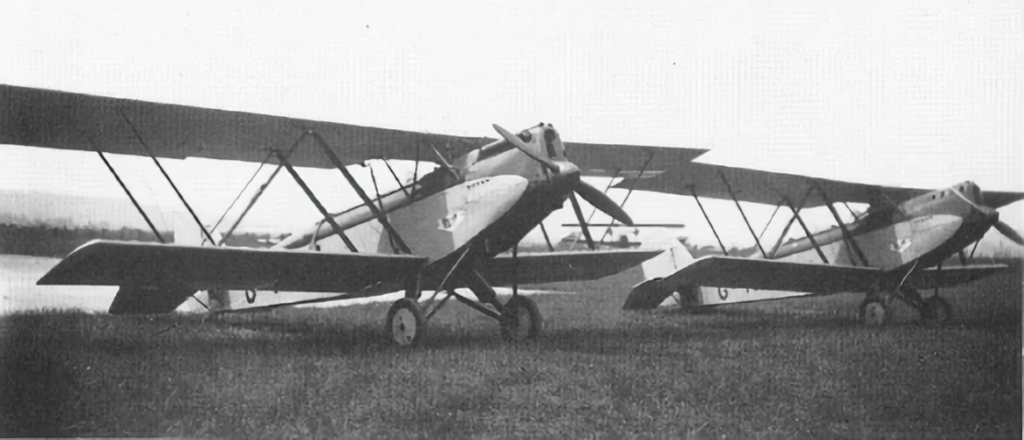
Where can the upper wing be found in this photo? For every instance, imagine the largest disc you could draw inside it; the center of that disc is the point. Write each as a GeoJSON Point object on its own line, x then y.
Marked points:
{"type": "Point", "coordinates": [56, 119]}
{"type": "Point", "coordinates": [628, 161]}
{"type": "Point", "coordinates": [108, 263]}
{"type": "Point", "coordinates": [764, 187]}
{"type": "Point", "coordinates": [550, 267]}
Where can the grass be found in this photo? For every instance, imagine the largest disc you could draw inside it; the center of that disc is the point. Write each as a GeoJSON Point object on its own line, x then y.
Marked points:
{"type": "Point", "coordinates": [782, 369]}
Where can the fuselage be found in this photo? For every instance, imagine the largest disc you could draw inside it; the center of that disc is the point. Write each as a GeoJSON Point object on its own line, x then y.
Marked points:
{"type": "Point", "coordinates": [546, 191]}
{"type": "Point", "coordinates": [915, 234]}
{"type": "Point", "coordinates": [924, 231]}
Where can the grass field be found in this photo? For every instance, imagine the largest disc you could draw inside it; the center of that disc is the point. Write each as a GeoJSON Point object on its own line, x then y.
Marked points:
{"type": "Point", "coordinates": [795, 368]}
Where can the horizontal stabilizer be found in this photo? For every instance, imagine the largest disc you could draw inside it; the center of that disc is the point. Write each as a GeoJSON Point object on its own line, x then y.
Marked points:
{"type": "Point", "coordinates": [107, 263]}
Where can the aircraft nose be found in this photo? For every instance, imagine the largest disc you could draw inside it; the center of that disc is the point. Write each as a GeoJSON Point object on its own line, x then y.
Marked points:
{"type": "Point", "coordinates": [568, 168]}
{"type": "Point", "coordinates": [990, 214]}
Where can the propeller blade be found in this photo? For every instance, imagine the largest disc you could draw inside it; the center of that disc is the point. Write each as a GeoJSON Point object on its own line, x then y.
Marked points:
{"type": "Point", "coordinates": [602, 202]}
{"type": "Point", "coordinates": [579, 216]}
{"type": "Point", "coordinates": [998, 199]}
{"type": "Point", "coordinates": [522, 146]}
{"type": "Point", "coordinates": [1008, 232]}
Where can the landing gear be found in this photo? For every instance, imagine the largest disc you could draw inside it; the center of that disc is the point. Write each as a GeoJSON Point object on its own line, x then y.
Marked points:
{"type": "Point", "coordinates": [874, 312]}
{"type": "Point", "coordinates": [406, 323]}
{"type": "Point", "coordinates": [935, 311]}
{"type": "Point", "coordinates": [521, 320]}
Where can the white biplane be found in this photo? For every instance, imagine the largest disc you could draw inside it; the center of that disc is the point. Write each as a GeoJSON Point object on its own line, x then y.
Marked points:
{"type": "Point", "coordinates": [892, 251]}
{"type": "Point", "coordinates": [444, 230]}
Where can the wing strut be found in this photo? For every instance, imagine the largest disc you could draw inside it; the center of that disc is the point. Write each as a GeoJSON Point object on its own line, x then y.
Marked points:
{"type": "Point", "coordinates": [766, 225]}
{"type": "Point", "coordinates": [380, 201]}
{"type": "Point", "coordinates": [252, 200]}
{"type": "Point", "coordinates": [397, 180]}
{"type": "Point", "coordinates": [359, 190]}
{"type": "Point", "coordinates": [312, 198]}
{"type": "Point", "coordinates": [694, 192]}
{"type": "Point", "coordinates": [842, 227]}
{"type": "Point", "coordinates": [728, 187]}
{"type": "Point", "coordinates": [628, 193]}
{"type": "Point", "coordinates": [810, 236]}
{"type": "Point", "coordinates": [130, 196]}
{"type": "Point", "coordinates": [785, 230]}
{"type": "Point", "coordinates": [166, 176]}
{"type": "Point", "coordinates": [255, 197]}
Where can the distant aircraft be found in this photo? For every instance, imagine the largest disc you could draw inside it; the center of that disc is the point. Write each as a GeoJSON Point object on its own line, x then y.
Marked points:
{"type": "Point", "coordinates": [445, 230]}
{"type": "Point", "coordinates": [892, 251]}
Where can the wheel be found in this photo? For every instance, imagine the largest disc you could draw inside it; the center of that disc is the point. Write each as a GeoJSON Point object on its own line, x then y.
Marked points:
{"type": "Point", "coordinates": [523, 320]}
{"type": "Point", "coordinates": [874, 312]}
{"type": "Point", "coordinates": [405, 322]}
{"type": "Point", "coordinates": [936, 311]}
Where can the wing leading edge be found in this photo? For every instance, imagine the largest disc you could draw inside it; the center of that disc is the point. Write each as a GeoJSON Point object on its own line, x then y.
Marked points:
{"type": "Point", "coordinates": [75, 121]}
{"type": "Point", "coordinates": [107, 263]}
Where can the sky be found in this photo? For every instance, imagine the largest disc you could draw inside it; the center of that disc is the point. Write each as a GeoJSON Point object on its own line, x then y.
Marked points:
{"type": "Point", "coordinates": [904, 93]}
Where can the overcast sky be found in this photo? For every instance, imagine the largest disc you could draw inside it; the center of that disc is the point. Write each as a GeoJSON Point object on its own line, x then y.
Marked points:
{"type": "Point", "coordinates": [922, 94]}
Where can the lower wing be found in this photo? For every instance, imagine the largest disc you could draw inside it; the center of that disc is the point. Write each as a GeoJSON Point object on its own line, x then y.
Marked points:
{"type": "Point", "coordinates": [178, 271]}
{"type": "Point", "coordinates": [550, 267]}
{"type": "Point", "coordinates": [769, 275]}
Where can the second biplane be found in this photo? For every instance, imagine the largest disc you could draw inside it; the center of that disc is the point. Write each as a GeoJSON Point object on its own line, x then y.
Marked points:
{"type": "Point", "coordinates": [894, 250]}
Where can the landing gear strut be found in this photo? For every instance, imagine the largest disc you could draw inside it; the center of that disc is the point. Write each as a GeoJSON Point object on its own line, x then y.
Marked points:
{"type": "Point", "coordinates": [519, 318]}
{"type": "Point", "coordinates": [934, 311]}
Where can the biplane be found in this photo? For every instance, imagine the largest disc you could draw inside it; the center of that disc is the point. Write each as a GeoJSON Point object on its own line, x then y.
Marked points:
{"type": "Point", "coordinates": [892, 251]}
{"type": "Point", "coordinates": [447, 229]}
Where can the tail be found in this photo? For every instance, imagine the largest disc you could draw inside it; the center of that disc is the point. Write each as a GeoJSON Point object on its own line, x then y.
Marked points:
{"type": "Point", "coordinates": [652, 292]}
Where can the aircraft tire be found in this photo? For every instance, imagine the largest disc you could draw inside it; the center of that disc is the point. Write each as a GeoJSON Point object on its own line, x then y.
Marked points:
{"type": "Point", "coordinates": [874, 313]}
{"type": "Point", "coordinates": [936, 311]}
{"type": "Point", "coordinates": [406, 325]}
{"type": "Point", "coordinates": [523, 320]}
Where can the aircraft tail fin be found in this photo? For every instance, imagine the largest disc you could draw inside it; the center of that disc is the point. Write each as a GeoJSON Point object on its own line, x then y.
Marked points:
{"type": "Point", "coordinates": [652, 292]}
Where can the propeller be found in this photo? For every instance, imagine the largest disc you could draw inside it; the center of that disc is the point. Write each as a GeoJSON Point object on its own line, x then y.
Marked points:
{"type": "Point", "coordinates": [579, 216]}
{"type": "Point", "coordinates": [592, 195]}
{"type": "Point", "coordinates": [522, 146]}
{"type": "Point", "coordinates": [1008, 232]}
{"type": "Point", "coordinates": [601, 201]}
{"type": "Point", "coordinates": [989, 201]}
